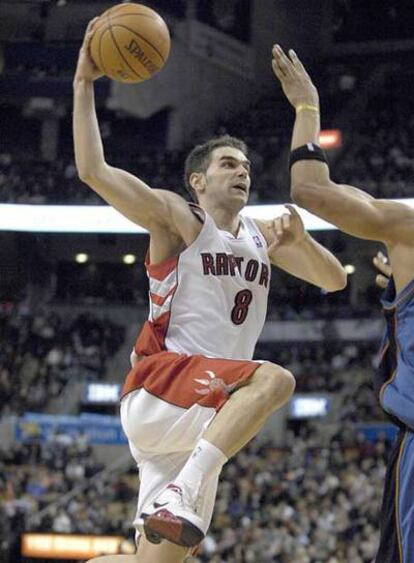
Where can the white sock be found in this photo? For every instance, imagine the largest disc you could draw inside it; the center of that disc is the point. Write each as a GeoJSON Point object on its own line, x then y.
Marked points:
{"type": "Point", "coordinates": [205, 460]}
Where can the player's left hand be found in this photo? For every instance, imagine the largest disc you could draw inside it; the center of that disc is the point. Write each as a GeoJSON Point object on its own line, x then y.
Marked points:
{"type": "Point", "coordinates": [295, 81]}
{"type": "Point", "coordinates": [86, 68]}
{"type": "Point", "coordinates": [381, 263]}
{"type": "Point", "coordinates": [286, 230]}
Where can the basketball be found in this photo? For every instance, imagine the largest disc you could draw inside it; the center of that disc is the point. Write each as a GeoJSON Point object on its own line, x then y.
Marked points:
{"type": "Point", "coordinates": [130, 43]}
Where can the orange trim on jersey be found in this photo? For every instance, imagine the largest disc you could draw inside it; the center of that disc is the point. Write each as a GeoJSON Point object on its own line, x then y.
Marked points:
{"type": "Point", "coordinates": [151, 338]}
{"type": "Point", "coordinates": [157, 300]}
{"type": "Point", "coordinates": [184, 380]}
{"type": "Point", "coordinates": [161, 270]}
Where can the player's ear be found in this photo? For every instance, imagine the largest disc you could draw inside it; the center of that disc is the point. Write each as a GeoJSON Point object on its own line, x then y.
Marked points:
{"type": "Point", "coordinates": [197, 182]}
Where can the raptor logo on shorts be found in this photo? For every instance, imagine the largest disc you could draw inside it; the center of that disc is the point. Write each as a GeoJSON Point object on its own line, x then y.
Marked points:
{"type": "Point", "coordinates": [213, 384]}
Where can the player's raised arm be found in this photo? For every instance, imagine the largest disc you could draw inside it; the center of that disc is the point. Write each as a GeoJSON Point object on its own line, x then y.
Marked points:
{"type": "Point", "coordinates": [150, 208]}
{"type": "Point", "coordinates": [292, 249]}
{"type": "Point", "coordinates": [349, 208]}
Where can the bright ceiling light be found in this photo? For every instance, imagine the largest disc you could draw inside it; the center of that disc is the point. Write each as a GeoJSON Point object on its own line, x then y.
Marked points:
{"type": "Point", "coordinates": [129, 259]}
{"type": "Point", "coordinates": [81, 258]}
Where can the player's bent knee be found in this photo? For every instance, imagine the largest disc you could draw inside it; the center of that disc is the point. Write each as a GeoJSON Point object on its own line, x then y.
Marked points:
{"type": "Point", "coordinates": [282, 381]}
{"type": "Point", "coordinates": [276, 383]}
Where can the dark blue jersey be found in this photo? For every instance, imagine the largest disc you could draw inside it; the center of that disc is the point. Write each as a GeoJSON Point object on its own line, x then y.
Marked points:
{"type": "Point", "coordinates": [394, 378]}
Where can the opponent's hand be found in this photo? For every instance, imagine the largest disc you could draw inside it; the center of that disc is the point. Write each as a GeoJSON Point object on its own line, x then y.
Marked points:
{"type": "Point", "coordinates": [295, 81]}
{"type": "Point", "coordinates": [86, 69]}
{"type": "Point", "coordinates": [286, 230]}
{"type": "Point", "coordinates": [381, 263]}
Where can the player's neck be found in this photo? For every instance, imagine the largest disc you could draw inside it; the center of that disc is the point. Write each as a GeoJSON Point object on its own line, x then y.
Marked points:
{"type": "Point", "coordinates": [225, 219]}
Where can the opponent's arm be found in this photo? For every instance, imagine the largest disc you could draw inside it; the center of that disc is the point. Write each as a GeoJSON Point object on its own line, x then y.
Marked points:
{"type": "Point", "coordinates": [292, 249]}
{"type": "Point", "coordinates": [350, 209]}
{"type": "Point", "coordinates": [152, 209]}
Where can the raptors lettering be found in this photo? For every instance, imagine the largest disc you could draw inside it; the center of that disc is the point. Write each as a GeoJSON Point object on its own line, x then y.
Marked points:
{"type": "Point", "coordinates": [222, 264]}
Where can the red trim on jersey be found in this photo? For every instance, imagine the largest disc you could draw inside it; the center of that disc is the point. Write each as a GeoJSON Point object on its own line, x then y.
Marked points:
{"type": "Point", "coordinates": [187, 380]}
{"type": "Point", "coordinates": [151, 338]}
{"type": "Point", "coordinates": [157, 300]}
{"type": "Point", "coordinates": [160, 271]}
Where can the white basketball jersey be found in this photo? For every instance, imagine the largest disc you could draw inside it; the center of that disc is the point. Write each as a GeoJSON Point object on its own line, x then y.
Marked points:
{"type": "Point", "coordinates": [211, 299]}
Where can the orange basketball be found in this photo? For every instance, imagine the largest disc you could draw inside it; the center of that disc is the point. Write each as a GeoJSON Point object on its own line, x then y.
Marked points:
{"type": "Point", "coordinates": [130, 43]}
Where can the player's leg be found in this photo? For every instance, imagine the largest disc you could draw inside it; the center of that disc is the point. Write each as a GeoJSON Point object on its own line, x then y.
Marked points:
{"type": "Point", "coordinates": [238, 421]}
{"type": "Point", "coordinates": [156, 471]}
{"type": "Point", "coordinates": [397, 522]}
{"type": "Point", "coordinates": [257, 391]}
{"type": "Point", "coordinates": [167, 516]}
{"type": "Point", "coordinates": [406, 497]}
{"type": "Point", "coordinates": [164, 552]}
{"type": "Point", "coordinates": [248, 408]}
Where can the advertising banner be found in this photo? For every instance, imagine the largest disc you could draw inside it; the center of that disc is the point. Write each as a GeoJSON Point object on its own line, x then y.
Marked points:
{"type": "Point", "coordinates": [100, 429]}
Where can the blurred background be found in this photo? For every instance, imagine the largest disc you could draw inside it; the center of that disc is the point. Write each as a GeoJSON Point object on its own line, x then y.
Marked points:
{"type": "Point", "coordinates": [308, 490]}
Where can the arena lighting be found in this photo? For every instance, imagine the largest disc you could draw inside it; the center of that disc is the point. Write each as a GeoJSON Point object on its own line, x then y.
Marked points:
{"type": "Point", "coordinates": [102, 393]}
{"type": "Point", "coordinates": [330, 138]}
{"type": "Point", "coordinates": [105, 219]}
{"type": "Point", "coordinates": [349, 268]}
{"type": "Point", "coordinates": [81, 258]}
{"type": "Point", "coordinates": [56, 546]}
{"type": "Point", "coordinates": [129, 259]}
{"type": "Point", "coordinates": [308, 406]}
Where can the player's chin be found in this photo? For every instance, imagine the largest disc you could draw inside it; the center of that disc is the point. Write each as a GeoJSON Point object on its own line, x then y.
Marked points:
{"type": "Point", "coordinates": [239, 194]}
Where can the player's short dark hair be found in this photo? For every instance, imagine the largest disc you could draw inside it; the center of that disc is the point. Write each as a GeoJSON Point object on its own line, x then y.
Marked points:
{"type": "Point", "coordinates": [200, 157]}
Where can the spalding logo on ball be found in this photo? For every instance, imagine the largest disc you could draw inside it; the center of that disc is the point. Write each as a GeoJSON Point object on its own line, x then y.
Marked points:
{"type": "Point", "coordinates": [130, 43]}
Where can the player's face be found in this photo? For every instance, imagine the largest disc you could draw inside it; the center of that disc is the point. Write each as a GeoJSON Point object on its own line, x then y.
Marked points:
{"type": "Point", "coordinates": [227, 178]}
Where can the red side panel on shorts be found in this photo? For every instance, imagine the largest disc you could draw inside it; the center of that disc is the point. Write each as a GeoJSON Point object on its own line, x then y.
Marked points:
{"type": "Point", "coordinates": [152, 336]}
{"type": "Point", "coordinates": [187, 380]}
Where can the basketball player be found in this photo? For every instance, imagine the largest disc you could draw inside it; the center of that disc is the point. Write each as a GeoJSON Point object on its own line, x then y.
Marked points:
{"type": "Point", "coordinates": [194, 396]}
{"type": "Point", "coordinates": [358, 214]}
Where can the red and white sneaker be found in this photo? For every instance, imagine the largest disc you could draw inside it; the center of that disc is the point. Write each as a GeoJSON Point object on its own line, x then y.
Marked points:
{"type": "Point", "coordinates": [172, 517]}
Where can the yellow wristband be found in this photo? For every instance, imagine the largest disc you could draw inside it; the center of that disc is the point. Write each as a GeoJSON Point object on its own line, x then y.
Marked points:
{"type": "Point", "coordinates": [309, 107]}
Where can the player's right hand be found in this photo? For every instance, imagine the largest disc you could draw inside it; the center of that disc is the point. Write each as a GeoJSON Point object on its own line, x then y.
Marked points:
{"type": "Point", "coordinates": [286, 230]}
{"type": "Point", "coordinates": [381, 263]}
{"type": "Point", "coordinates": [86, 69]}
{"type": "Point", "coordinates": [295, 81]}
